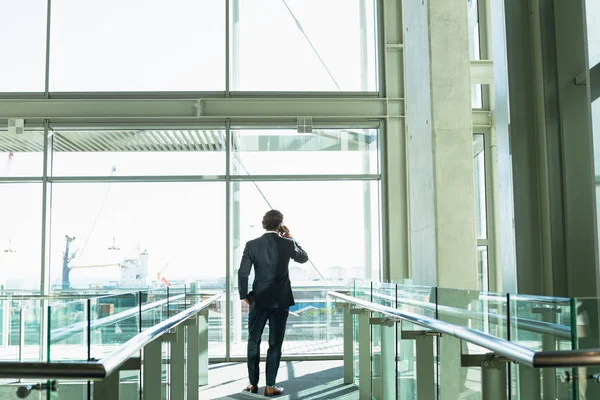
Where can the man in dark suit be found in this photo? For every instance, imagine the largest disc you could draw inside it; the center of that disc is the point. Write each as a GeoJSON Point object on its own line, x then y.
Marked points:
{"type": "Point", "coordinates": [271, 294]}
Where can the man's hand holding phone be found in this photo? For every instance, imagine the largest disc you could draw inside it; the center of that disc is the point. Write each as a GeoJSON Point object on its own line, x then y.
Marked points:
{"type": "Point", "coordinates": [285, 232]}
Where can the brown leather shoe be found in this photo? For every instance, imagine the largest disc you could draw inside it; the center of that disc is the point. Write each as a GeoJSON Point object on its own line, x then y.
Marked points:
{"type": "Point", "coordinates": [273, 390]}
{"type": "Point", "coordinates": [252, 389]}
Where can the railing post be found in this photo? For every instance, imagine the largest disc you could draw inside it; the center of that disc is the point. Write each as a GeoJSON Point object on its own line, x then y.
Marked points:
{"type": "Point", "coordinates": [203, 347]}
{"type": "Point", "coordinates": [493, 380]}
{"type": "Point", "coordinates": [21, 332]}
{"type": "Point", "coordinates": [387, 366]}
{"type": "Point", "coordinates": [493, 374]}
{"type": "Point", "coordinates": [530, 385]}
{"type": "Point", "coordinates": [193, 358]}
{"type": "Point", "coordinates": [152, 371]}
{"type": "Point", "coordinates": [108, 388]}
{"type": "Point", "coordinates": [348, 346]}
{"type": "Point", "coordinates": [425, 369]}
{"type": "Point", "coordinates": [364, 355]}
{"type": "Point", "coordinates": [177, 388]}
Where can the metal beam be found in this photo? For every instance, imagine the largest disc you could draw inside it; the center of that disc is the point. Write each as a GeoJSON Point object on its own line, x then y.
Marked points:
{"type": "Point", "coordinates": [179, 109]}
{"type": "Point", "coordinates": [258, 107]}
{"type": "Point", "coordinates": [482, 71]}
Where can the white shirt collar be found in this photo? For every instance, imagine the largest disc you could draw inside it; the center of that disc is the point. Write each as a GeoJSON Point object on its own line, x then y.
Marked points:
{"type": "Point", "coordinates": [277, 233]}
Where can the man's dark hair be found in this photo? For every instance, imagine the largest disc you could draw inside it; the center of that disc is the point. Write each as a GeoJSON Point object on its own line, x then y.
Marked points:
{"type": "Point", "coordinates": [272, 220]}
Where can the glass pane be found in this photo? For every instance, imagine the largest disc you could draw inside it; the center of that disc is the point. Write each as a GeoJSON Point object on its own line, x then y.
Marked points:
{"type": "Point", "coordinates": [198, 291]}
{"type": "Point", "coordinates": [20, 236]}
{"type": "Point", "coordinates": [477, 95]}
{"type": "Point", "coordinates": [121, 46]}
{"type": "Point", "coordinates": [23, 45]}
{"type": "Point", "coordinates": [137, 235]}
{"type": "Point", "coordinates": [540, 324]}
{"type": "Point", "coordinates": [384, 294]}
{"type": "Point", "coordinates": [584, 322]}
{"type": "Point", "coordinates": [295, 45]}
{"type": "Point", "coordinates": [138, 152]}
{"type": "Point", "coordinates": [154, 307]}
{"type": "Point", "coordinates": [592, 10]}
{"type": "Point", "coordinates": [67, 331]}
{"type": "Point", "coordinates": [482, 266]}
{"type": "Point", "coordinates": [474, 48]}
{"type": "Point", "coordinates": [480, 311]}
{"type": "Point", "coordinates": [480, 187]}
{"type": "Point", "coordinates": [114, 320]}
{"type": "Point", "coordinates": [21, 154]}
{"type": "Point", "coordinates": [324, 151]}
{"type": "Point", "coordinates": [420, 300]}
{"type": "Point", "coordinates": [21, 329]}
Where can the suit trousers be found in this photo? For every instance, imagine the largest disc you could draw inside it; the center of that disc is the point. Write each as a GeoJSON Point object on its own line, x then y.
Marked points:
{"type": "Point", "coordinates": [257, 319]}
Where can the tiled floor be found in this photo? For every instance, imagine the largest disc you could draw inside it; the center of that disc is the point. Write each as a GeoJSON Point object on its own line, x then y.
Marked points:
{"type": "Point", "coordinates": [301, 379]}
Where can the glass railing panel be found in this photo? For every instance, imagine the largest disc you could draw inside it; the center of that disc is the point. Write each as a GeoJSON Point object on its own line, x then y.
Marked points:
{"type": "Point", "coordinates": [584, 323]}
{"type": "Point", "coordinates": [539, 324]}
{"type": "Point", "coordinates": [419, 300]}
{"type": "Point", "coordinates": [479, 311]}
{"type": "Point", "coordinates": [10, 322]}
{"type": "Point", "coordinates": [361, 290]}
{"type": "Point", "coordinates": [385, 294]}
{"type": "Point", "coordinates": [30, 333]}
{"type": "Point", "coordinates": [114, 320]}
{"type": "Point", "coordinates": [315, 323]}
{"type": "Point", "coordinates": [154, 307]}
{"type": "Point", "coordinates": [67, 331]}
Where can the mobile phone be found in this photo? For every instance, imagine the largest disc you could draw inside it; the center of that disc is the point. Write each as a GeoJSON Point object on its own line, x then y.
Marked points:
{"type": "Point", "coordinates": [281, 229]}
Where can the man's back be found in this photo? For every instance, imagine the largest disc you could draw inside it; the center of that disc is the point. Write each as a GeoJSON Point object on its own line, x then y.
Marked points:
{"type": "Point", "coordinates": [270, 254]}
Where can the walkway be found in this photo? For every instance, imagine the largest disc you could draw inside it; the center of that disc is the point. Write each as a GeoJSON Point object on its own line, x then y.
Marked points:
{"type": "Point", "coordinates": [301, 379]}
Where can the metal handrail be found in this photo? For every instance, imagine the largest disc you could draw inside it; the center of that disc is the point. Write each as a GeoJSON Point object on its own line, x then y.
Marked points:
{"type": "Point", "coordinates": [501, 347]}
{"type": "Point", "coordinates": [530, 325]}
{"type": "Point", "coordinates": [62, 333]}
{"type": "Point", "coordinates": [98, 370]}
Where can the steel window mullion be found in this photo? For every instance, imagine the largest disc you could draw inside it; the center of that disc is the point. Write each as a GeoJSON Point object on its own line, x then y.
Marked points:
{"type": "Point", "coordinates": [228, 241]}
{"type": "Point", "coordinates": [364, 177]}
{"type": "Point", "coordinates": [47, 65]}
{"type": "Point", "coordinates": [132, 179]}
{"type": "Point", "coordinates": [21, 179]}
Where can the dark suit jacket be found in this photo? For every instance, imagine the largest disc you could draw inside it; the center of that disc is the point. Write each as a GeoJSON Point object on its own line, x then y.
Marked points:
{"type": "Point", "coordinates": [270, 254]}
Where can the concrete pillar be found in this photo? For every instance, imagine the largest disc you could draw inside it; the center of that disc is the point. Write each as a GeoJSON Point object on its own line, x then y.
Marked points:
{"type": "Point", "coordinates": [440, 144]}
{"type": "Point", "coordinates": [440, 159]}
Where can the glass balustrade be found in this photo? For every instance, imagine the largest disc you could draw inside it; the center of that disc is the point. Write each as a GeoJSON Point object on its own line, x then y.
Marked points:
{"type": "Point", "coordinates": [91, 327]}
{"type": "Point", "coordinates": [458, 368]}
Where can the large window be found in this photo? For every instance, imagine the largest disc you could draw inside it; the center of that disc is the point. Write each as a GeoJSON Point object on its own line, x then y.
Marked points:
{"type": "Point", "coordinates": [21, 153]}
{"type": "Point", "coordinates": [126, 234]}
{"type": "Point", "coordinates": [287, 152]}
{"type": "Point", "coordinates": [127, 46]}
{"type": "Point", "coordinates": [20, 236]}
{"type": "Point", "coordinates": [475, 49]}
{"type": "Point", "coordinates": [23, 45]}
{"type": "Point", "coordinates": [303, 45]}
{"type": "Point", "coordinates": [153, 45]}
{"type": "Point", "coordinates": [137, 152]}
{"type": "Point", "coordinates": [337, 223]}
{"type": "Point", "coordinates": [483, 240]}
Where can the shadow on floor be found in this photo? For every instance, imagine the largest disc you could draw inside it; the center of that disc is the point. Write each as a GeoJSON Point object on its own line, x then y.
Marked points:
{"type": "Point", "coordinates": [324, 384]}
